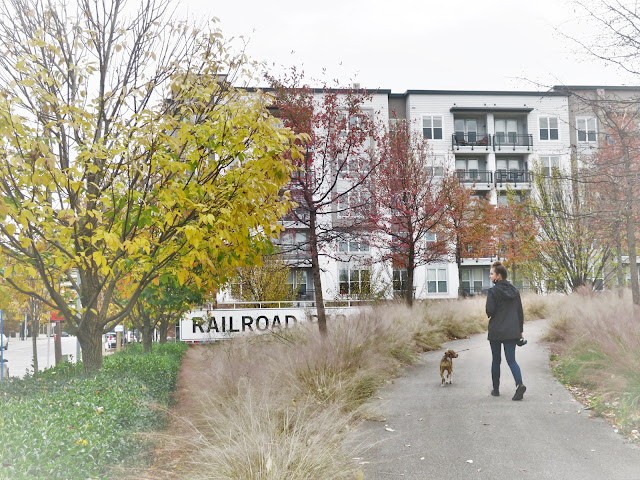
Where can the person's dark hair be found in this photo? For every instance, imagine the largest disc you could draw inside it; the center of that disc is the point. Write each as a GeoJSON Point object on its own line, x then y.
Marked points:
{"type": "Point", "coordinates": [500, 269]}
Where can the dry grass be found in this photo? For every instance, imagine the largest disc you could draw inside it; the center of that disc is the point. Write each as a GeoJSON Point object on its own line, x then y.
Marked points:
{"type": "Point", "coordinates": [278, 406]}
{"type": "Point", "coordinates": [597, 338]}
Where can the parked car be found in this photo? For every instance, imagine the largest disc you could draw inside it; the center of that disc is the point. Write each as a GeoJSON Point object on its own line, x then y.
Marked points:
{"type": "Point", "coordinates": [5, 341]}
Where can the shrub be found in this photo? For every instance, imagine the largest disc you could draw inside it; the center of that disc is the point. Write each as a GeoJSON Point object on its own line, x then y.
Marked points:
{"type": "Point", "coordinates": [59, 424]}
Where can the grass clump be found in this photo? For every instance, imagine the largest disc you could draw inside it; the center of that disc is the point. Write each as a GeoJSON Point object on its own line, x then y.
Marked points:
{"type": "Point", "coordinates": [60, 424]}
{"type": "Point", "coordinates": [277, 406]}
{"type": "Point", "coordinates": [596, 339]}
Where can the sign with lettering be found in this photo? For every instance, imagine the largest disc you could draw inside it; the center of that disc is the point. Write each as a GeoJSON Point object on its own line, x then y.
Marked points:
{"type": "Point", "coordinates": [218, 324]}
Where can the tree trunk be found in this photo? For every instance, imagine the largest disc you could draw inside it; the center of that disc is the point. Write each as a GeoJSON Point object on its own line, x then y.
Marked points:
{"type": "Point", "coordinates": [57, 343]}
{"type": "Point", "coordinates": [633, 265]}
{"type": "Point", "coordinates": [619, 272]}
{"type": "Point", "coordinates": [630, 224]}
{"type": "Point", "coordinates": [163, 329]}
{"type": "Point", "coordinates": [409, 291]}
{"type": "Point", "coordinates": [147, 334]}
{"type": "Point", "coordinates": [90, 339]}
{"type": "Point", "coordinates": [35, 329]}
{"type": "Point", "coordinates": [315, 268]}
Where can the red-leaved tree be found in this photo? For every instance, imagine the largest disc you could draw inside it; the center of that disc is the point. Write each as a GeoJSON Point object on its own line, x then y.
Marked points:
{"type": "Point", "coordinates": [408, 195]}
{"type": "Point", "coordinates": [469, 224]}
{"type": "Point", "coordinates": [339, 130]}
{"type": "Point", "coordinates": [516, 233]}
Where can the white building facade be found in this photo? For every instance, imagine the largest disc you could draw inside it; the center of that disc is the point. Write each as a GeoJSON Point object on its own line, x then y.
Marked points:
{"type": "Point", "coordinates": [492, 139]}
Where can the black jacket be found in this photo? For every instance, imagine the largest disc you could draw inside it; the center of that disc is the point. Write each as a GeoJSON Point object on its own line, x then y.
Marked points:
{"type": "Point", "coordinates": [504, 309]}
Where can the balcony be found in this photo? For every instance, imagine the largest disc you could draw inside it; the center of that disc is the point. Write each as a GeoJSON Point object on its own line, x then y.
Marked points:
{"type": "Point", "coordinates": [515, 178]}
{"type": "Point", "coordinates": [513, 141]}
{"type": "Point", "coordinates": [479, 178]}
{"type": "Point", "coordinates": [471, 140]}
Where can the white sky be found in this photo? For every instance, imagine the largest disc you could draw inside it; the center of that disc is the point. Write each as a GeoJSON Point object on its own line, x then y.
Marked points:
{"type": "Point", "coordinates": [418, 45]}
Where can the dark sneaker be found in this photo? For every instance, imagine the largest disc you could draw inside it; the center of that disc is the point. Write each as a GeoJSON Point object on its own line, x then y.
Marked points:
{"type": "Point", "coordinates": [519, 392]}
{"type": "Point", "coordinates": [495, 393]}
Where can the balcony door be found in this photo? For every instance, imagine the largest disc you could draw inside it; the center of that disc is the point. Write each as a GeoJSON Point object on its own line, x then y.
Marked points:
{"type": "Point", "coordinates": [466, 129]}
{"type": "Point", "coordinates": [507, 131]}
{"type": "Point", "coordinates": [469, 166]}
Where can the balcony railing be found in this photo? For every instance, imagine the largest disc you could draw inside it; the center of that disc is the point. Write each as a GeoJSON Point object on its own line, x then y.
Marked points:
{"type": "Point", "coordinates": [475, 176]}
{"type": "Point", "coordinates": [512, 140]}
{"type": "Point", "coordinates": [471, 139]}
{"type": "Point", "coordinates": [513, 176]}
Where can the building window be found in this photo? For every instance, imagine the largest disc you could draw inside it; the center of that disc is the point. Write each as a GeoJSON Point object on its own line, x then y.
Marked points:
{"type": "Point", "coordinates": [400, 281]}
{"type": "Point", "coordinates": [549, 164]}
{"type": "Point", "coordinates": [474, 279]}
{"type": "Point", "coordinates": [354, 281]}
{"type": "Point", "coordinates": [293, 242]}
{"type": "Point", "coordinates": [353, 246]}
{"type": "Point", "coordinates": [436, 280]}
{"type": "Point", "coordinates": [430, 237]}
{"type": "Point", "coordinates": [355, 203]}
{"type": "Point", "coordinates": [432, 127]}
{"type": "Point", "coordinates": [548, 128]}
{"type": "Point", "coordinates": [297, 282]}
{"type": "Point", "coordinates": [586, 129]}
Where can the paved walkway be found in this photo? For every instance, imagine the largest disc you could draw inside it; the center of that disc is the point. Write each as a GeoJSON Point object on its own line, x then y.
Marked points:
{"type": "Point", "coordinates": [461, 432]}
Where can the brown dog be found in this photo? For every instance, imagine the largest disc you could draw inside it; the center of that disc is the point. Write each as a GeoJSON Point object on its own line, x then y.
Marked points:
{"type": "Point", "coordinates": [447, 364]}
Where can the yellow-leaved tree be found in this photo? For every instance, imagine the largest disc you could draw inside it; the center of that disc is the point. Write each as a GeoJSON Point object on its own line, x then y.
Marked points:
{"type": "Point", "coordinates": [124, 149]}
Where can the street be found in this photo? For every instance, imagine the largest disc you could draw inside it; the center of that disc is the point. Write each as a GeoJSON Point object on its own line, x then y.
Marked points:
{"type": "Point", "coordinates": [20, 353]}
{"type": "Point", "coordinates": [460, 431]}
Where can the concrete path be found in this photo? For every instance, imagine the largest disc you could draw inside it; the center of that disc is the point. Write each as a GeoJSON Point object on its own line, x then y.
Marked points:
{"type": "Point", "coordinates": [461, 432]}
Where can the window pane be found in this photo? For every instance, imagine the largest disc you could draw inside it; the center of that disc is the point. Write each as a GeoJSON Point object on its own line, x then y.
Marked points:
{"type": "Point", "coordinates": [442, 287]}
{"type": "Point", "coordinates": [544, 134]}
{"type": "Point", "coordinates": [592, 136]}
{"type": "Point", "coordinates": [342, 246]}
{"type": "Point", "coordinates": [365, 281]}
{"type": "Point", "coordinates": [582, 136]}
{"type": "Point", "coordinates": [431, 287]}
{"type": "Point", "coordinates": [427, 133]}
{"type": "Point", "coordinates": [431, 275]}
{"type": "Point", "coordinates": [553, 122]}
{"type": "Point", "coordinates": [580, 123]}
{"type": "Point", "coordinates": [437, 122]}
{"type": "Point", "coordinates": [544, 123]}
{"type": "Point", "coordinates": [426, 122]}
{"type": "Point", "coordinates": [442, 274]}
{"type": "Point", "coordinates": [437, 133]}
{"type": "Point", "coordinates": [553, 134]}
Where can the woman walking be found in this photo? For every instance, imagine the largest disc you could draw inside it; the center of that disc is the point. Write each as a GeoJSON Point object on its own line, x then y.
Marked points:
{"type": "Point", "coordinates": [506, 320]}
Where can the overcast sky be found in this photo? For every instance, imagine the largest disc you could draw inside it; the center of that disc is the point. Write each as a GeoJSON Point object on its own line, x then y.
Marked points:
{"type": "Point", "coordinates": [411, 44]}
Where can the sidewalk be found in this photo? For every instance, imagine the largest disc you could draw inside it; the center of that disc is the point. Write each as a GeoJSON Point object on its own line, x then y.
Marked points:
{"type": "Point", "coordinates": [461, 432]}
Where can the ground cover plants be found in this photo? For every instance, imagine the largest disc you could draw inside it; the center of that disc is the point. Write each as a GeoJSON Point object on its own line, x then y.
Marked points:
{"type": "Point", "coordinates": [277, 406]}
{"type": "Point", "coordinates": [60, 424]}
{"type": "Point", "coordinates": [596, 340]}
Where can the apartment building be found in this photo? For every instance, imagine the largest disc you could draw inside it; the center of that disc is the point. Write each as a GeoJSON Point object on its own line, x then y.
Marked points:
{"type": "Point", "coordinates": [492, 139]}
{"type": "Point", "coordinates": [592, 128]}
